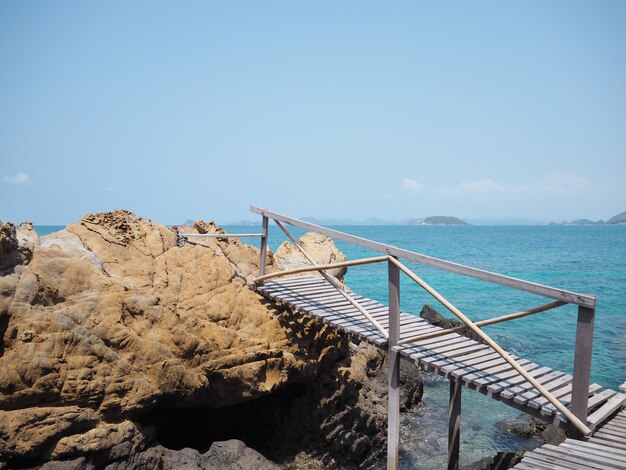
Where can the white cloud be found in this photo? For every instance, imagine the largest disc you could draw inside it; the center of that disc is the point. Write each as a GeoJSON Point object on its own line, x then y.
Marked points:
{"type": "Point", "coordinates": [563, 183]}
{"type": "Point", "coordinates": [20, 178]}
{"type": "Point", "coordinates": [485, 185]}
{"type": "Point", "coordinates": [412, 185]}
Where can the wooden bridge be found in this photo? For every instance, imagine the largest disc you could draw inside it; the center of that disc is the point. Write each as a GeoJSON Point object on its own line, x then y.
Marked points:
{"type": "Point", "coordinates": [569, 401]}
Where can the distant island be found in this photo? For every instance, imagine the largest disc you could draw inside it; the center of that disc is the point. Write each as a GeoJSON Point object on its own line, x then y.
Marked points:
{"type": "Point", "coordinates": [619, 219]}
{"type": "Point", "coordinates": [438, 220]}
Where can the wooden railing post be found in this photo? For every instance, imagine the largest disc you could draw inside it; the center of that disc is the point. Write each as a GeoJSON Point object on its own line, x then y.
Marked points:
{"type": "Point", "coordinates": [263, 246]}
{"type": "Point", "coordinates": [393, 412]}
{"type": "Point", "coordinates": [454, 425]}
{"type": "Point", "coordinates": [582, 362]}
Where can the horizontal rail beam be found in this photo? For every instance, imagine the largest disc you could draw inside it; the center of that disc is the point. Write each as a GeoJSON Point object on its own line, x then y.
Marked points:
{"type": "Point", "coordinates": [319, 267]}
{"type": "Point", "coordinates": [584, 300]}
{"type": "Point", "coordinates": [335, 283]}
{"type": "Point", "coordinates": [221, 235]}
{"type": "Point", "coordinates": [491, 321]}
{"type": "Point", "coordinates": [573, 419]}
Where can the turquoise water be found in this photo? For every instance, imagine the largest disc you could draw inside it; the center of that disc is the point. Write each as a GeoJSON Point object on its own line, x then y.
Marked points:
{"type": "Point", "coordinates": [583, 259]}
{"type": "Point", "coordinates": [47, 229]}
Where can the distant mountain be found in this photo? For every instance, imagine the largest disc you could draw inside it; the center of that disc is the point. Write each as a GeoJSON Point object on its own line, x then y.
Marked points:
{"type": "Point", "coordinates": [369, 221]}
{"type": "Point", "coordinates": [439, 220]}
{"type": "Point", "coordinates": [506, 221]}
{"type": "Point", "coordinates": [619, 219]}
{"type": "Point", "coordinates": [247, 223]}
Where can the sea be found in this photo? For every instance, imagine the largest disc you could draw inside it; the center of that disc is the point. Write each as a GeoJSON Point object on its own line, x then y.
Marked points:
{"type": "Point", "coordinates": [585, 259]}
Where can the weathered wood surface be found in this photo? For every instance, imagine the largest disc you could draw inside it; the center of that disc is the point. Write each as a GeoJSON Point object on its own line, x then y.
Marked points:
{"type": "Point", "coordinates": [606, 449]}
{"type": "Point", "coordinates": [222, 235]}
{"type": "Point", "coordinates": [473, 364]}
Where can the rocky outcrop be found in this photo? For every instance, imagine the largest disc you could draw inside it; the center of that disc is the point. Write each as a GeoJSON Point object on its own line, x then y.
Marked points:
{"type": "Point", "coordinates": [321, 248]}
{"type": "Point", "coordinates": [232, 454]}
{"type": "Point", "coordinates": [111, 331]}
{"type": "Point", "coordinates": [433, 317]}
{"type": "Point", "coordinates": [16, 245]}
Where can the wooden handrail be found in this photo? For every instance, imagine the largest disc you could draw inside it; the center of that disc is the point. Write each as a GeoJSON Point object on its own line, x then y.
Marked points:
{"type": "Point", "coordinates": [491, 321]}
{"type": "Point", "coordinates": [334, 282]}
{"type": "Point", "coordinates": [318, 267]}
{"type": "Point", "coordinates": [585, 300]}
{"type": "Point", "coordinates": [582, 427]}
{"type": "Point", "coordinates": [221, 235]}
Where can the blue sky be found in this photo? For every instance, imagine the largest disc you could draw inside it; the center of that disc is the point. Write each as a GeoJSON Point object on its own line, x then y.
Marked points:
{"type": "Point", "coordinates": [190, 110]}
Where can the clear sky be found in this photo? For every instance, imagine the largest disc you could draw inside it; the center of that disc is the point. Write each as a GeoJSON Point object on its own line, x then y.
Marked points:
{"type": "Point", "coordinates": [194, 110]}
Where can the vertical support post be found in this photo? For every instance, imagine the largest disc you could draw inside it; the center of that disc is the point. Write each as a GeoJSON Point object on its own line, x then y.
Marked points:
{"type": "Point", "coordinates": [582, 363]}
{"type": "Point", "coordinates": [263, 246]}
{"type": "Point", "coordinates": [393, 412]}
{"type": "Point", "coordinates": [454, 425]}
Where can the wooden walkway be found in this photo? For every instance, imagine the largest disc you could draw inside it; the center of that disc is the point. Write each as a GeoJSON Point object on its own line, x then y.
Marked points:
{"type": "Point", "coordinates": [453, 356]}
{"type": "Point", "coordinates": [606, 450]}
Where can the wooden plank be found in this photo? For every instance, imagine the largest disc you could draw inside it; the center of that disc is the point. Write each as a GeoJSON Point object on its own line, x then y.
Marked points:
{"type": "Point", "coordinates": [528, 463]}
{"type": "Point", "coordinates": [601, 397]}
{"type": "Point", "coordinates": [611, 424]}
{"type": "Point", "coordinates": [607, 409]}
{"type": "Point", "coordinates": [546, 291]}
{"type": "Point", "coordinates": [516, 379]}
{"type": "Point", "coordinates": [393, 413]}
{"type": "Point", "coordinates": [448, 356]}
{"type": "Point", "coordinates": [548, 409]}
{"type": "Point", "coordinates": [295, 281]}
{"type": "Point", "coordinates": [492, 373]}
{"type": "Point", "coordinates": [578, 459]}
{"type": "Point", "coordinates": [510, 392]}
{"type": "Point", "coordinates": [582, 362]}
{"type": "Point", "coordinates": [317, 267]}
{"type": "Point", "coordinates": [614, 428]}
{"type": "Point", "coordinates": [555, 384]}
{"type": "Point", "coordinates": [311, 290]}
{"type": "Point", "coordinates": [536, 460]}
{"type": "Point", "coordinates": [607, 430]}
{"type": "Point", "coordinates": [464, 363]}
{"type": "Point", "coordinates": [590, 446]}
{"type": "Point", "coordinates": [461, 373]}
{"type": "Point", "coordinates": [610, 440]}
{"type": "Point", "coordinates": [454, 425]}
{"type": "Point", "coordinates": [221, 235]}
{"type": "Point", "coordinates": [263, 251]}
{"type": "Point", "coordinates": [504, 377]}
{"type": "Point", "coordinates": [445, 364]}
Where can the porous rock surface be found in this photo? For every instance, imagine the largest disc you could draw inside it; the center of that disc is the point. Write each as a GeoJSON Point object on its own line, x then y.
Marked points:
{"type": "Point", "coordinates": [113, 317]}
{"type": "Point", "coordinates": [319, 247]}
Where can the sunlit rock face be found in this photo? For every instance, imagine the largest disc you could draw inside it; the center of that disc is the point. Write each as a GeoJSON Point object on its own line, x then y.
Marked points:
{"type": "Point", "coordinates": [111, 317]}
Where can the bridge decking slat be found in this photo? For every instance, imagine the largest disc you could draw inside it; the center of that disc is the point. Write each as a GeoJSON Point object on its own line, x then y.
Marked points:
{"type": "Point", "coordinates": [503, 377]}
{"type": "Point", "coordinates": [576, 458]}
{"type": "Point", "coordinates": [551, 386]}
{"type": "Point", "coordinates": [453, 355]}
{"type": "Point", "coordinates": [591, 446]}
{"type": "Point", "coordinates": [607, 409]}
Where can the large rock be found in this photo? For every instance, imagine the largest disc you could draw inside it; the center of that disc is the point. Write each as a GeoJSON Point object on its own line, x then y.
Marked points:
{"type": "Point", "coordinates": [225, 455]}
{"type": "Point", "coordinates": [433, 317]}
{"type": "Point", "coordinates": [106, 320]}
{"type": "Point", "coordinates": [321, 248]}
{"type": "Point", "coordinates": [16, 245]}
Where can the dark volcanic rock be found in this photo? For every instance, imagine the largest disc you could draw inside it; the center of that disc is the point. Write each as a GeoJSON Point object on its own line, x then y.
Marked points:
{"type": "Point", "coordinates": [225, 455]}
{"type": "Point", "coordinates": [433, 317]}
